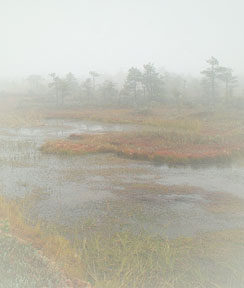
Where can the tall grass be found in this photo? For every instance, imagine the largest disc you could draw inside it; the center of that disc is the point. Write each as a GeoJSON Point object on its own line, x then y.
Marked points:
{"type": "Point", "coordinates": [109, 257]}
{"type": "Point", "coordinates": [105, 259]}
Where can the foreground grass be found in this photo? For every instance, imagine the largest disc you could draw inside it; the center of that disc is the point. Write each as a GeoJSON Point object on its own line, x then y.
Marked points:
{"type": "Point", "coordinates": [47, 240]}
{"type": "Point", "coordinates": [111, 258]}
{"type": "Point", "coordinates": [119, 259]}
{"type": "Point", "coordinates": [23, 266]}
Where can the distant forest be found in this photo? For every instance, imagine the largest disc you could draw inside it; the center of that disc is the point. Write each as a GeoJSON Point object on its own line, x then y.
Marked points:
{"type": "Point", "coordinates": [137, 88]}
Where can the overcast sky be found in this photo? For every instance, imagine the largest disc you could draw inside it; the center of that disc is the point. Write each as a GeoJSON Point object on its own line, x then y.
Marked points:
{"type": "Point", "coordinates": [43, 36]}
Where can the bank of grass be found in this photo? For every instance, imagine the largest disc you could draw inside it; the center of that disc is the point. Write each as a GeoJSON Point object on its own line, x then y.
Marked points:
{"type": "Point", "coordinates": [120, 259]}
{"type": "Point", "coordinates": [17, 119]}
{"type": "Point", "coordinates": [159, 146]}
{"type": "Point", "coordinates": [109, 257]}
{"type": "Point", "coordinates": [159, 117]}
{"type": "Point", "coordinates": [42, 237]}
{"type": "Point", "coordinates": [21, 265]}
{"type": "Point", "coordinates": [162, 135]}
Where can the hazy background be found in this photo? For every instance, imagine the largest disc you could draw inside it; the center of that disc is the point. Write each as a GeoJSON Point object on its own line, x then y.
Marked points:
{"type": "Point", "coordinates": [43, 36]}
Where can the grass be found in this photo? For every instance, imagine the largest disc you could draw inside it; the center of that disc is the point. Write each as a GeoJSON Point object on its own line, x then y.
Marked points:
{"type": "Point", "coordinates": [107, 253]}
{"type": "Point", "coordinates": [21, 265]}
{"type": "Point", "coordinates": [158, 117]}
{"type": "Point", "coordinates": [131, 260]}
{"type": "Point", "coordinates": [187, 138]}
{"type": "Point", "coordinates": [157, 146]}
{"type": "Point", "coordinates": [163, 116]}
{"type": "Point", "coordinates": [20, 119]}
{"type": "Point", "coordinates": [47, 240]}
{"type": "Point", "coordinates": [109, 257]}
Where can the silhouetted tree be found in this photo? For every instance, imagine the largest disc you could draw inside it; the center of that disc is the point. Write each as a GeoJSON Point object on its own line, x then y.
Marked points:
{"type": "Point", "coordinates": [87, 88]}
{"type": "Point", "coordinates": [55, 84]}
{"type": "Point", "coordinates": [226, 75]}
{"type": "Point", "coordinates": [35, 82]}
{"type": "Point", "coordinates": [63, 87]}
{"type": "Point", "coordinates": [109, 91]}
{"type": "Point", "coordinates": [152, 82]}
{"type": "Point", "coordinates": [133, 83]}
{"type": "Point", "coordinates": [72, 85]}
{"type": "Point", "coordinates": [94, 75]}
{"type": "Point", "coordinates": [211, 73]}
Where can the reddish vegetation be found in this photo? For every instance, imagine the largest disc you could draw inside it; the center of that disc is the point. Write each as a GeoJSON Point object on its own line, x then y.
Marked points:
{"type": "Point", "coordinates": [148, 146]}
{"type": "Point", "coordinates": [169, 137]}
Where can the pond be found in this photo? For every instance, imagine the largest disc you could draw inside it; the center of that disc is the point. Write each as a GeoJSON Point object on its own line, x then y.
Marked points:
{"type": "Point", "coordinates": [171, 201]}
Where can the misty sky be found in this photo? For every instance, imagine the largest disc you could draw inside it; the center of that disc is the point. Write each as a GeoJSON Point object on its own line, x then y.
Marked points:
{"type": "Point", "coordinates": [43, 36]}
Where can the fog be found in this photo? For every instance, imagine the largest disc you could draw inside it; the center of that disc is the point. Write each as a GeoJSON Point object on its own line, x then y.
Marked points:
{"type": "Point", "coordinates": [40, 37]}
{"type": "Point", "coordinates": [121, 144]}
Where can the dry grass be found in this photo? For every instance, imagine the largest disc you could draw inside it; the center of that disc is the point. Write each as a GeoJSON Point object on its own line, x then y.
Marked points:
{"type": "Point", "coordinates": [110, 258]}
{"type": "Point", "coordinates": [47, 239]}
{"type": "Point", "coordinates": [159, 117]}
{"type": "Point", "coordinates": [20, 118]}
{"type": "Point", "coordinates": [159, 146]}
{"type": "Point", "coordinates": [224, 203]}
{"type": "Point", "coordinates": [21, 265]}
{"type": "Point", "coordinates": [187, 138]}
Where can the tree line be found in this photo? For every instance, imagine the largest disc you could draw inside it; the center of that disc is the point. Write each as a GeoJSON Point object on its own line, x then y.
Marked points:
{"type": "Point", "coordinates": [141, 87]}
